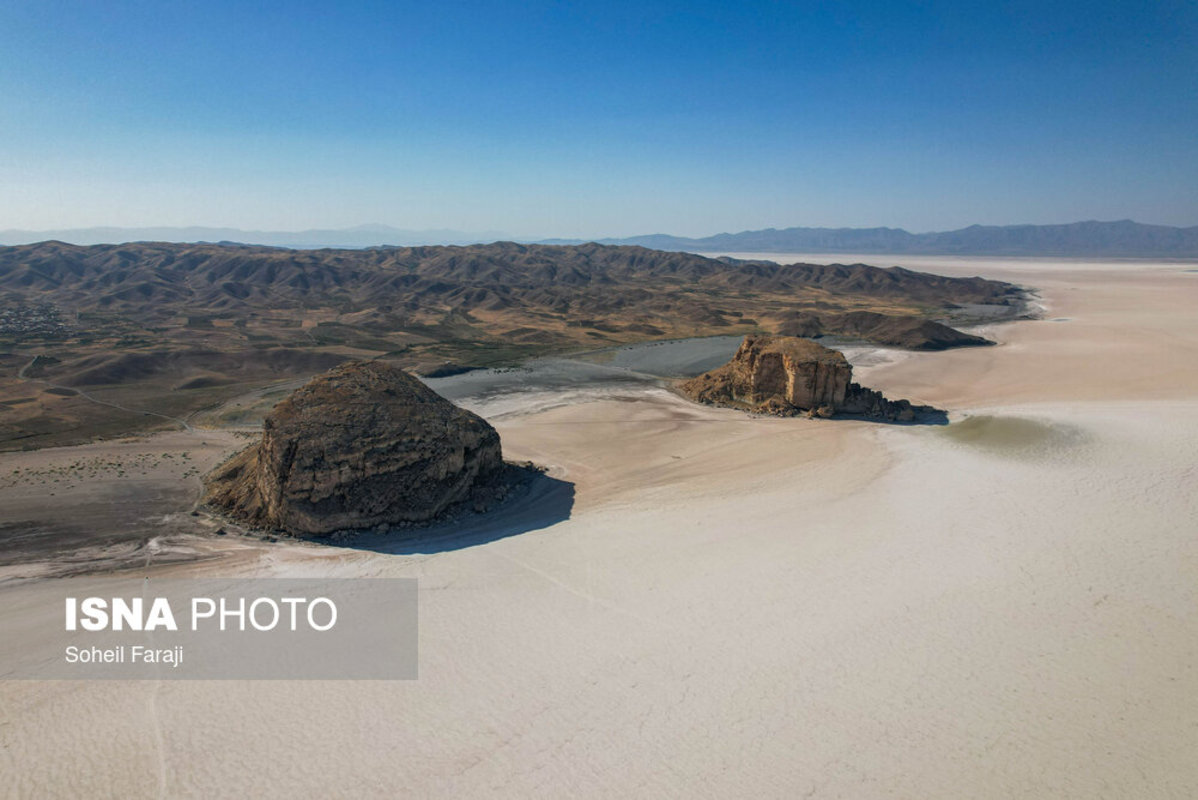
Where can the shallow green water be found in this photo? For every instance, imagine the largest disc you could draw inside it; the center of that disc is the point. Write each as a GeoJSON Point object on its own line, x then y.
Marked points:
{"type": "Point", "coordinates": [1014, 436]}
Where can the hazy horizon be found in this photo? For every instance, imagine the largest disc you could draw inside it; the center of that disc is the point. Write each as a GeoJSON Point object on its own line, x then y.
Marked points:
{"type": "Point", "coordinates": [96, 234]}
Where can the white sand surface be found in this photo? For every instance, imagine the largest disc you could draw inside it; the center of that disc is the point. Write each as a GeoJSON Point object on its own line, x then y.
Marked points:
{"type": "Point", "coordinates": [743, 607]}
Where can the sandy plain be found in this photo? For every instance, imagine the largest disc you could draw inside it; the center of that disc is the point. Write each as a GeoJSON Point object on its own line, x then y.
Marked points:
{"type": "Point", "coordinates": [1007, 606]}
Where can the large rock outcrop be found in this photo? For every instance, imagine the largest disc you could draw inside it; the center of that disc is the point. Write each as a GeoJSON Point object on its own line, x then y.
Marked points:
{"type": "Point", "coordinates": [361, 445]}
{"type": "Point", "coordinates": [775, 373]}
{"type": "Point", "coordinates": [787, 376]}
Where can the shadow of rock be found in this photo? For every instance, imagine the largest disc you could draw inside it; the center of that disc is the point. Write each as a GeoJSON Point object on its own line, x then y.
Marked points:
{"type": "Point", "coordinates": [928, 416]}
{"type": "Point", "coordinates": [541, 503]}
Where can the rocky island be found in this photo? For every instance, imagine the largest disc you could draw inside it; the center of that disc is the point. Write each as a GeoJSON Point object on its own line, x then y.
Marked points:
{"type": "Point", "coordinates": [362, 445]}
{"type": "Point", "coordinates": [788, 376]}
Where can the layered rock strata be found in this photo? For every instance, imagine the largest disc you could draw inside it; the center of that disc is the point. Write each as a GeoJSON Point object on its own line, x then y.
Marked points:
{"type": "Point", "coordinates": [787, 376]}
{"type": "Point", "coordinates": [362, 445]}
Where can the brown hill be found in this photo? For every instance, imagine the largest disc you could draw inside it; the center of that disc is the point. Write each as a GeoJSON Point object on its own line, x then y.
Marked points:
{"type": "Point", "coordinates": [911, 333]}
{"type": "Point", "coordinates": [432, 290]}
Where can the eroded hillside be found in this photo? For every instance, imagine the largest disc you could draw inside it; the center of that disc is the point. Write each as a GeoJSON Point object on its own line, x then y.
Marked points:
{"type": "Point", "coordinates": [120, 329]}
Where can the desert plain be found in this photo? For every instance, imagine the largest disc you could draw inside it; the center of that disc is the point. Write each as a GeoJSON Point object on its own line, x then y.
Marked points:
{"type": "Point", "coordinates": [723, 605]}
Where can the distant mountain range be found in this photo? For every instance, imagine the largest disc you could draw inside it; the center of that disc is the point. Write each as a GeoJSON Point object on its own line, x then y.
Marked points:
{"type": "Point", "coordinates": [1125, 239]}
{"type": "Point", "coordinates": [356, 237]}
{"type": "Point", "coordinates": [1122, 239]}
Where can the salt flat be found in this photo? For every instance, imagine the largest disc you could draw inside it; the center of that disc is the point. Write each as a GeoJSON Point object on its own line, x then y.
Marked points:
{"type": "Point", "coordinates": [761, 607]}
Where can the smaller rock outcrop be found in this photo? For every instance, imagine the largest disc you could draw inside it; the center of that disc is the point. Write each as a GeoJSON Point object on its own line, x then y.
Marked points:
{"type": "Point", "coordinates": [362, 445]}
{"type": "Point", "coordinates": [871, 404]}
{"type": "Point", "coordinates": [788, 376]}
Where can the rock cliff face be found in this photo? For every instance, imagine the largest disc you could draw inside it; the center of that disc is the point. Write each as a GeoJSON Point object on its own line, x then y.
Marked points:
{"type": "Point", "coordinates": [773, 374]}
{"type": "Point", "coordinates": [361, 445]}
{"type": "Point", "coordinates": [787, 376]}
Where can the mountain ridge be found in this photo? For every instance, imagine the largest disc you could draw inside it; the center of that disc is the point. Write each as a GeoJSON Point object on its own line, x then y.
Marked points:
{"type": "Point", "coordinates": [1117, 239]}
{"type": "Point", "coordinates": [357, 236]}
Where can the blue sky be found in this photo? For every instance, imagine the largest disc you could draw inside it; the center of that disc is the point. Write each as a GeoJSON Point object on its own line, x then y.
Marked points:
{"type": "Point", "coordinates": [595, 119]}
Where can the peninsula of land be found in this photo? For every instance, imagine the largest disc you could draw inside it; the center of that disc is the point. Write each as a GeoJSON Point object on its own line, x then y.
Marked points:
{"type": "Point", "coordinates": [106, 340]}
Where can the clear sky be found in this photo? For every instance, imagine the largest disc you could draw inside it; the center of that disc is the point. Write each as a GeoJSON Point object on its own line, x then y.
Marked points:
{"type": "Point", "coordinates": [598, 118]}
